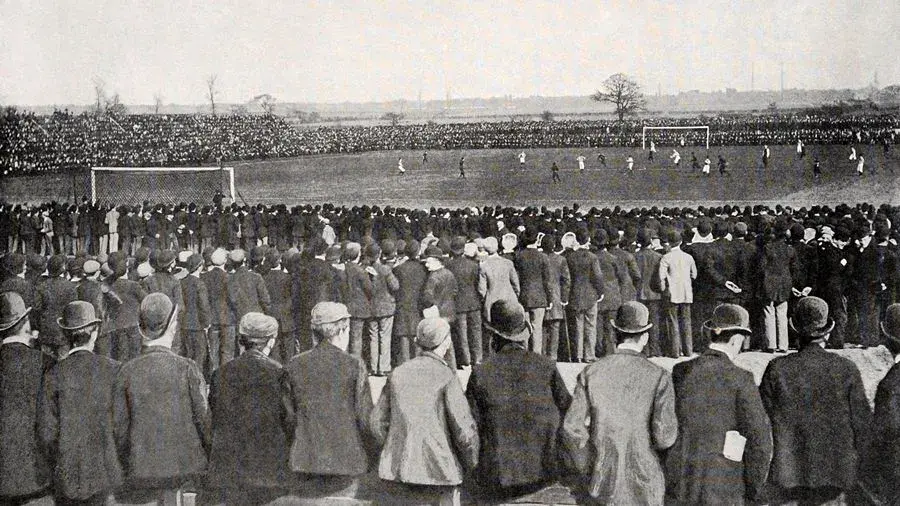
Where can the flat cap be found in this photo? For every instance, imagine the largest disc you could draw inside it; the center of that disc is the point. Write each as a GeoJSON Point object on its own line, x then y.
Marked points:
{"type": "Point", "coordinates": [237, 255]}
{"type": "Point", "coordinates": [328, 312]}
{"type": "Point", "coordinates": [90, 267]}
{"type": "Point", "coordinates": [219, 257]}
{"type": "Point", "coordinates": [431, 332]}
{"type": "Point", "coordinates": [257, 326]}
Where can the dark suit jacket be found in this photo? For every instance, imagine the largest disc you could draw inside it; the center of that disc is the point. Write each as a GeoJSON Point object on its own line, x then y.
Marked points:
{"type": "Point", "coordinates": [647, 261]}
{"type": "Point", "coordinates": [560, 285]}
{"type": "Point", "coordinates": [820, 418]}
{"type": "Point", "coordinates": [76, 426]}
{"type": "Point", "coordinates": [278, 284]}
{"type": "Point", "coordinates": [587, 280]}
{"type": "Point", "coordinates": [24, 469]}
{"type": "Point", "coordinates": [251, 430]}
{"type": "Point", "coordinates": [165, 283]}
{"type": "Point", "coordinates": [216, 281]}
{"type": "Point", "coordinates": [880, 469]}
{"type": "Point", "coordinates": [534, 278]}
{"type": "Point", "coordinates": [161, 419]}
{"type": "Point", "coordinates": [633, 280]}
{"type": "Point", "coordinates": [327, 390]}
{"type": "Point", "coordinates": [712, 397]}
{"type": "Point", "coordinates": [411, 277]}
{"type": "Point", "coordinates": [196, 304]}
{"type": "Point", "coordinates": [52, 297]}
{"type": "Point", "coordinates": [357, 291]}
{"type": "Point", "coordinates": [247, 293]}
{"type": "Point", "coordinates": [384, 288]}
{"type": "Point", "coordinates": [465, 270]}
{"type": "Point", "coordinates": [512, 386]}
{"type": "Point", "coordinates": [315, 282]}
{"type": "Point", "coordinates": [440, 290]}
{"type": "Point", "coordinates": [125, 315]}
{"type": "Point", "coordinates": [777, 264]}
{"type": "Point", "coordinates": [615, 278]}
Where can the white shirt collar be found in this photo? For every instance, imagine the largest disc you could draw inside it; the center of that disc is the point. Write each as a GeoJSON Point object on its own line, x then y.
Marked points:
{"type": "Point", "coordinates": [79, 348]}
{"type": "Point", "coordinates": [635, 347]}
{"type": "Point", "coordinates": [897, 359]}
{"type": "Point", "coordinates": [21, 339]}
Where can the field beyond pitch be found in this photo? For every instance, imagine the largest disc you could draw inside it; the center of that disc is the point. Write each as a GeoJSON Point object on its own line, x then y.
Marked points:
{"type": "Point", "coordinates": [494, 177]}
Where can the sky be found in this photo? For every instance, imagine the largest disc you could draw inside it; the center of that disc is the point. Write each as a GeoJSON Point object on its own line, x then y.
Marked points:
{"type": "Point", "coordinates": [336, 51]}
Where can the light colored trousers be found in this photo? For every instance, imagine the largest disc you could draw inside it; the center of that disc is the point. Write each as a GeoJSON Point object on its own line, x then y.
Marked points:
{"type": "Point", "coordinates": [536, 316]}
{"type": "Point", "coordinates": [776, 325]}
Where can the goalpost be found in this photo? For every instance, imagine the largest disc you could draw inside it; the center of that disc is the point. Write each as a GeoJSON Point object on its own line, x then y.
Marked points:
{"type": "Point", "coordinates": [691, 127]}
{"type": "Point", "coordinates": [133, 185]}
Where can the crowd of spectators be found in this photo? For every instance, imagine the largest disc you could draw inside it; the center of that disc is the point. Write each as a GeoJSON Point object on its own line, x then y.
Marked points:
{"type": "Point", "coordinates": [33, 143]}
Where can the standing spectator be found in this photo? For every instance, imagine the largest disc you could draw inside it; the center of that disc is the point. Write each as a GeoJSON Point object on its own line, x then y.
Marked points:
{"type": "Point", "coordinates": [52, 297]}
{"type": "Point", "coordinates": [879, 476]}
{"type": "Point", "coordinates": [439, 293]}
{"type": "Point", "coordinates": [357, 290]}
{"type": "Point", "coordinates": [163, 281]}
{"type": "Point", "coordinates": [777, 265]}
{"type": "Point", "coordinates": [221, 334]}
{"type": "Point", "coordinates": [384, 289]}
{"type": "Point", "coordinates": [466, 327]}
{"type": "Point", "coordinates": [314, 282]}
{"type": "Point", "coordinates": [122, 318]}
{"type": "Point", "coordinates": [536, 293]}
{"type": "Point", "coordinates": [46, 234]}
{"type": "Point", "coordinates": [197, 315]}
{"type": "Point", "coordinates": [832, 279]}
{"type": "Point", "coordinates": [248, 460]}
{"type": "Point", "coordinates": [24, 470]}
{"type": "Point", "coordinates": [247, 294]}
{"type": "Point", "coordinates": [497, 279]}
{"type": "Point", "coordinates": [614, 280]}
{"type": "Point", "coordinates": [586, 293]}
{"type": "Point", "coordinates": [554, 173]}
{"type": "Point", "coordinates": [677, 271]}
{"type": "Point", "coordinates": [622, 414]}
{"type": "Point", "coordinates": [820, 416]}
{"type": "Point", "coordinates": [112, 225]}
{"type": "Point", "coordinates": [876, 275]}
{"type": "Point", "coordinates": [75, 423]}
{"type": "Point", "coordinates": [161, 419]}
{"type": "Point", "coordinates": [717, 401]}
{"type": "Point", "coordinates": [647, 291]}
{"type": "Point", "coordinates": [514, 385]}
{"type": "Point", "coordinates": [423, 423]}
{"type": "Point", "coordinates": [14, 265]}
{"type": "Point", "coordinates": [560, 284]}
{"type": "Point", "coordinates": [411, 275]}
{"type": "Point", "coordinates": [328, 394]}
{"type": "Point", "coordinates": [278, 284]}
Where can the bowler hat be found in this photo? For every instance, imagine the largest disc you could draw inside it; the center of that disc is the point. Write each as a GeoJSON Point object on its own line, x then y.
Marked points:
{"type": "Point", "coordinates": [258, 327]}
{"type": "Point", "coordinates": [156, 313]}
{"type": "Point", "coordinates": [728, 317]}
{"type": "Point", "coordinates": [810, 317]}
{"type": "Point", "coordinates": [37, 262]}
{"type": "Point", "coordinates": [193, 262]}
{"type": "Point", "coordinates": [333, 254]}
{"type": "Point", "coordinates": [328, 312]}
{"type": "Point", "coordinates": [458, 245]}
{"type": "Point", "coordinates": [12, 310]}
{"type": "Point", "coordinates": [56, 266]}
{"type": "Point", "coordinates": [507, 320]}
{"type": "Point", "coordinates": [433, 252]}
{"type": "Point", "coordinates": [412, 248]}
{"type": "Point", "coordinates": [431, 332]}
{"type": "Point", "coordinates": [890, 326]}
{"type": "Point", "coordinates": [77, 315]}
{"type": "Point", "coordinates": [165, 258]}
{"type": "Point", "coordinates": [632, 318]}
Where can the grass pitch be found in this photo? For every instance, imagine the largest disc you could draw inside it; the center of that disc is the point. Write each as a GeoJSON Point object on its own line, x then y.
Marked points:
{"type": "Point", "coordinates": [494, 177]}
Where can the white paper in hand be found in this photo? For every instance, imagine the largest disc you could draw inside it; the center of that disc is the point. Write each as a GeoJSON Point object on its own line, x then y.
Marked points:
{"type": "Point", "coordinates": [734, 446]}
{"type": "Point", "coordinates": [431, 312]}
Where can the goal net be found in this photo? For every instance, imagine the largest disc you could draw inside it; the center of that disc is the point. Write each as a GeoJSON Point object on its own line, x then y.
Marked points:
{"type": "Point", "coordinates": [133, 185]}
{"type": "Point", "coordinates": [674, 135]}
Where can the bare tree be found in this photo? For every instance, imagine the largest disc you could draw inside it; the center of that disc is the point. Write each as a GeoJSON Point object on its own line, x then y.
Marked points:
{"type": "Point", "coordinates": [266, 102]}
{"type": "Point", "coordinates": [548, 116]}
{"type": "Point", "coordinates": [393, 117]}
{"type": "Point", "coordinates": [623, 92]}
{"type": "Point", "coordinates": [157, 102]}
{"type": "Point", "coordinates": [211, 91]}
{"type": "Point", "coordinates": [99, 94]}
{"type": "Point", "coordinates": [114, 106]}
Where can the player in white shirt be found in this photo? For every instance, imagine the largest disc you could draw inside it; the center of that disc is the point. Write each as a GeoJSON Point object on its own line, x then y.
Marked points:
{"type": "Point", "coordinates": [859, 165]}
{"type": "Point", "coordinates": [766, 155]}
{"type": "Point", "coordinates": [852, 153]}
{"type": "Point", "coordinates": [706, 164]}
{"type": "Point", "coordinates": [801, 152]}
{"type": "Point", "coordinates": [629, 164]}
{"type": "Point", "coordinates": [580, 163]}
{"type": "Point", "coordinates": [400, 168]}
{"type": "Point", "coordinates": [522, 160]}
{"type": "Point", "coordinates": [676, 157]}
{"type": "Point", "coordinates": [652, 151]}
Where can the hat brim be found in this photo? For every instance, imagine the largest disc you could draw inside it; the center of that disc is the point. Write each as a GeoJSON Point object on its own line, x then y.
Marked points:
{"type": "Point", "coordinates": [13, 323]}
{"type": "Point", "coordinates": [708, 325]}
{"type": "Point", "coordinates": [888, 335]}
{"type": "Point", "coordinates": [819, 332]}
{"type": "Point", "coordinates": [635, 330]}
{"type": "Point", "coordinates": [151, 336]}
{"type": "Point", "coordinates": [520, 336]}
{"type": "Point", "coordinates": [59, 321]}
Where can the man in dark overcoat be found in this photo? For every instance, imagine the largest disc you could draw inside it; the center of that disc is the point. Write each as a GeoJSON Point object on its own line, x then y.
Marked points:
{"type": "Point", "coordinates": [197, 315]}
{"type": "Point", "coordinates": [52, 297]}
{"type": "Point", "coordinates": [821, 420]}
{"type": "Point", "coordinates": [411, 275]}
{"type": "Point", "coordinates": [716, 400]}
{"type": "Point", "coordinates": [513, 385]}
{"type": "Point", "coordinates": [251, 432]}
{"type": "Point", "coordinates": [75, 422]}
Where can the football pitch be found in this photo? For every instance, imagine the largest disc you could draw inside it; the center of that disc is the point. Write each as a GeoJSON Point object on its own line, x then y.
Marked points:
{"type": "Point", "coordinates": [494, 177]}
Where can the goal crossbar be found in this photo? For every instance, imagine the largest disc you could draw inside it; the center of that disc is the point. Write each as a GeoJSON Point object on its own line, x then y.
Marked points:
{"type": "Point", "coordinates": [228, 172]}
{"type": "Point", "coordinates": [689, 127]}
